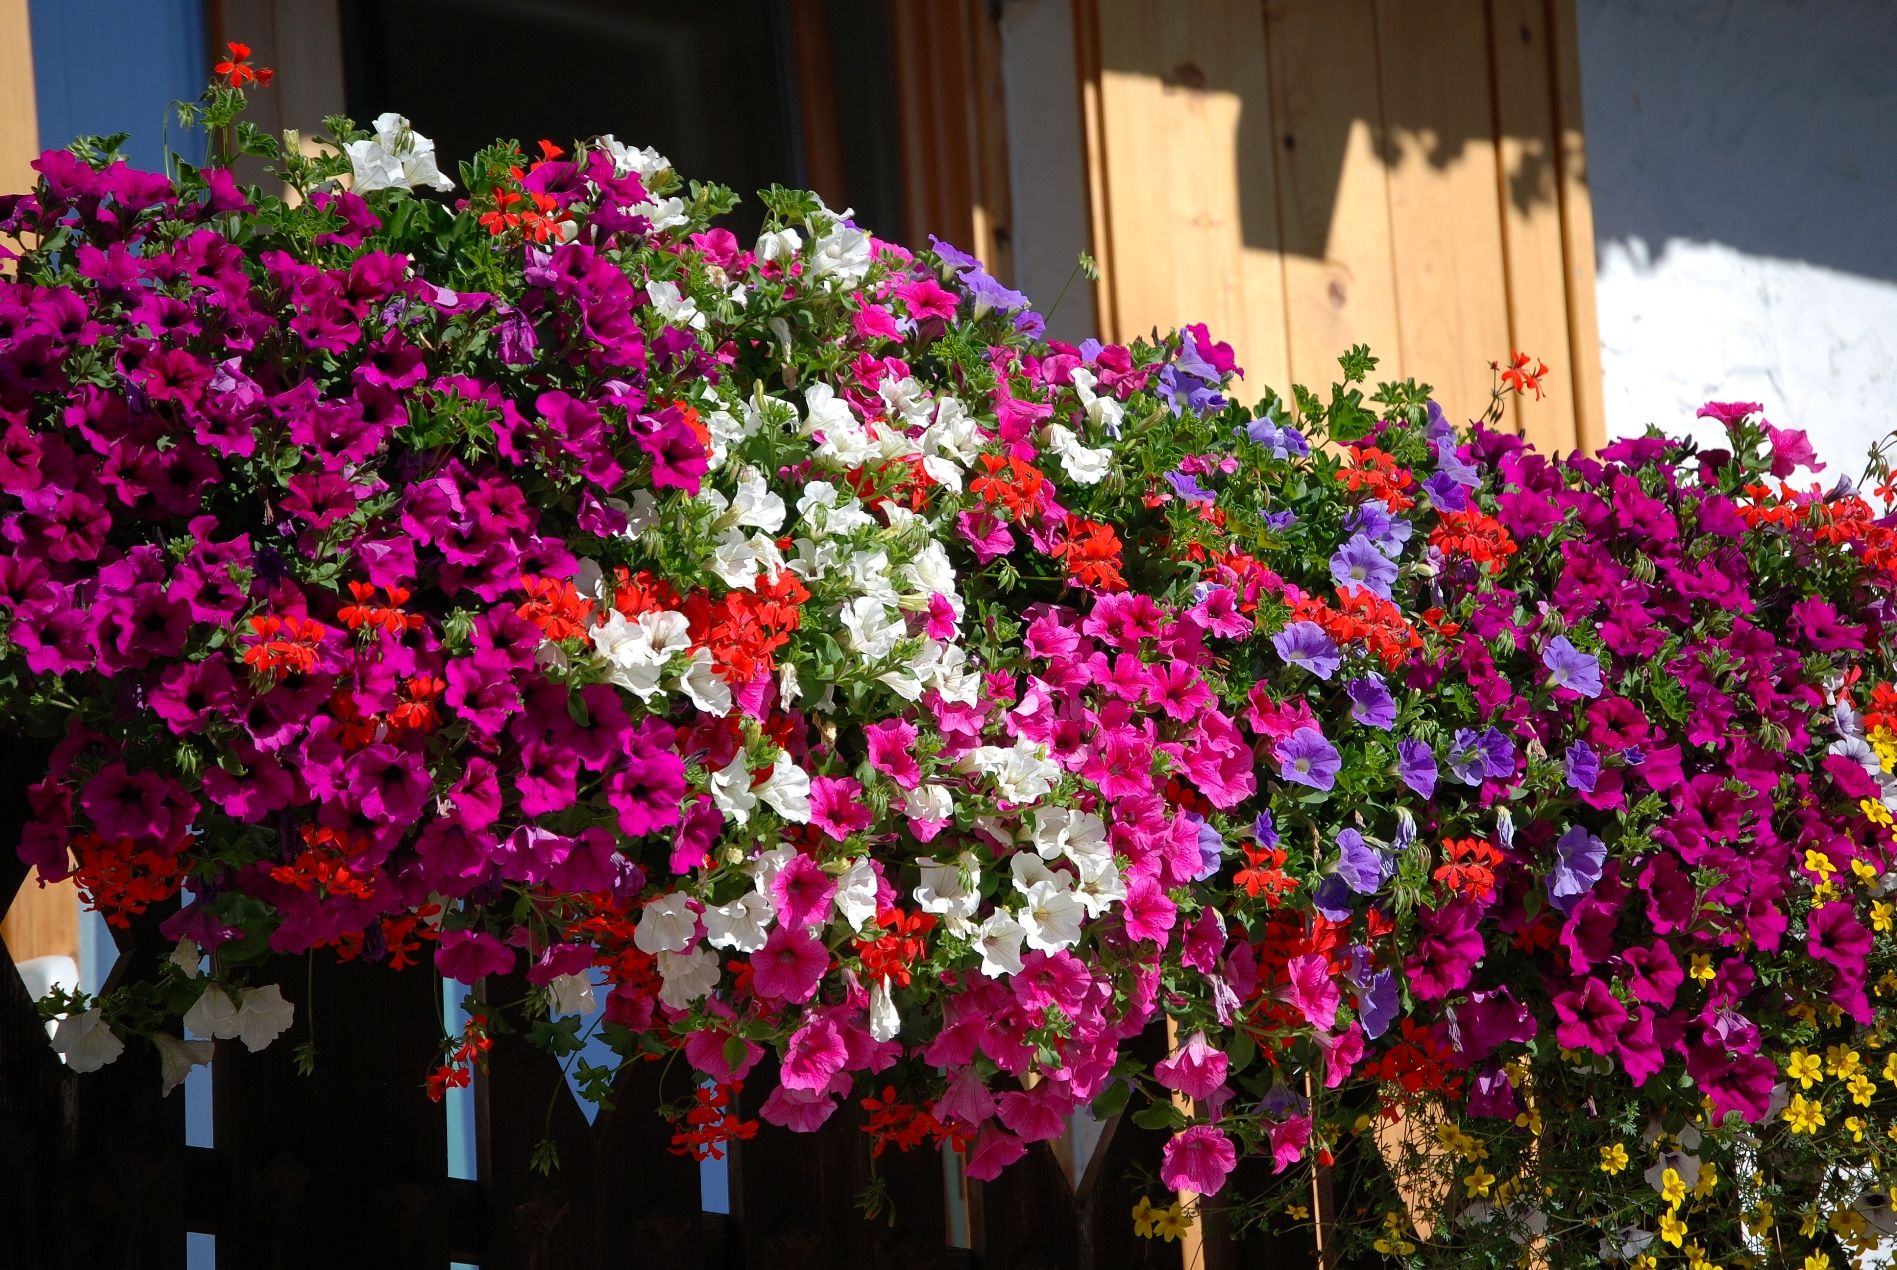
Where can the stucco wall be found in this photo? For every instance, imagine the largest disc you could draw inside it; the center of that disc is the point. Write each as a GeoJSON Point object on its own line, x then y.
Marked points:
{"type": "Point", "coordinates": [1741, 156]}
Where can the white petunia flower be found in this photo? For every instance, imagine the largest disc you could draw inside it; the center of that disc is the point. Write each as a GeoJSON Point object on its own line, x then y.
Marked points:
{"type": "Point", "coordinates": [176, 1058]}
{"type": "Point", "coordinates": [213, 1014]}
{"type": "Point", "coordinates": [707, 691]}
{"type": "Point", "coordinates": [667, 924]}
{"type": "Point", "coordinates": [263, 1016]}
{"type": "Point", "coordinates": [1051, 917]}
{"type": "Point", "coordinates": [87, 1041]}
{"type": "Point", "coordinates": [686, 977]}
{"type": "Point", "coordinates": [884, 1022]}
{"type": "Point", "coordinates": [843, 254]}
{"type": "Point", "coordinates": [643, 161]}
{"type": "Point", "coordinates": [787, 790]}
{"type": "Point", "coordinates": [873, 627]}
{"type": "Point", "coordinates": [780, 244]}
{"type": "Point", "coordinates": [573, 994]}
{"type": "Point", "coordinates": [188, 957]}
{"type": "Point", "coordinates": [756, 505]}
{"type": "Point", "coordinates": [856, 895]}
{"type": "Point", "coordinates": [1084, 464]}
{"type": "Point", "coordinates": [999, 940]}
{"type": "Point", "coordinates": [396, 157]}
{"type": "Point", "coordinates": [674, 305]}
{"type": "Point", "coordinates": [928, 802]}
{"type": "Point", "coordinates": [740, 925]}
{"type": "Point", "coordinates": [731, 790]}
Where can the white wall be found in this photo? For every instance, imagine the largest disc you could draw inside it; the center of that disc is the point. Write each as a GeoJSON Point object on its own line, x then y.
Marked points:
{"type": "Point", "coordinates": [1743, 161]}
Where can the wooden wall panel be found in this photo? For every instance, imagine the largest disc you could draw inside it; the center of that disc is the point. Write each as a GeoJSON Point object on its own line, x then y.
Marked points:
{"type": "Point", "coordinates": [19, 111]}
{"type": "Point", "coordinates": [1191, 240]}
{"type": "Point", "coordinates": [1445, 219]}
{"type": "Point", "coordinates": [1577, 232]}
{"type": "Point", "coordinates": [1339, 267]}
{"type": "Point", "coordinates": [1531, 214]}
{"type": "Point", "coordinates": [1418, 163]}
{"type": "Point", "coordinates": [953, 126]}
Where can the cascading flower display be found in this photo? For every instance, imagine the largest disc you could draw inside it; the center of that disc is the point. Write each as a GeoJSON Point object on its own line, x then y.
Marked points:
{"type": "Point", "coordinates": [882, 702]}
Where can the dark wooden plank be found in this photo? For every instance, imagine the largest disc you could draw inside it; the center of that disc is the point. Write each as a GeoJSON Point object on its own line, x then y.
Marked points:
{"type": "Point", "coordinates": [535, 1221]}
{"type": "Point", "coordinates": [349, 1164]}
{"type": "Point", "coordinates": [649, 1198]}
{"type": "Point", "coordinates": [793, 1195]}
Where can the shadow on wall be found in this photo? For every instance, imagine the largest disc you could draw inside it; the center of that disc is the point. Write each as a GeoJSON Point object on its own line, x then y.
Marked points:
{"type": "Point", "coordinates": [1308, 175]}
{"type": "Point", "coordinates": [1766, 125]}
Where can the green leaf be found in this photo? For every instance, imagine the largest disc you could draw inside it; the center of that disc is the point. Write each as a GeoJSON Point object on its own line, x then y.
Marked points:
{"type": "Point", "coordinates": [1111, 1101]}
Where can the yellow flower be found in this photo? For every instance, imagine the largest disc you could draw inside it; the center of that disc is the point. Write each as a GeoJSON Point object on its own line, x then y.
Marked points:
{"type": "Point", "coordinates": [1804, 1068]}
{"type": "Point", "coordinates": [1392, 1243]}
{"type": "Point", "coordinates": [1143, 1215]}
{"type": "Point", "coordinates": [1855, 1126]}
{"type": "Point", "coordinates": [1297, 1212]}
{"type": "Point", "coordinates": [1672, 1188]}
{"type": "Point", "coordinates": [1672, 1229]}
{"type": "Point", "coordinates": [1614, 1158]}
{"type": "Point", "coordinates": [1825, 892]}
{"type": "Point", "coordinates": [1762, 1219]}
{"type": "Point", "coordinates": [1478, 1182]}
{"type": "Point", "coordinates": [1645, 1261]}
{"type": "Point", "coordinates": [1862, 1089]}
{"type": "Point", "coordinates": [1848, 1223]}
{"type": "Point", "coordinates": [1818, 1261]}
{"type": "Point", "coordinates": [1881, 913]}
{"type": "Point", "coordinates": [1842, 1060]}
{"type": "Point", "coordinates": [1172, 1222]}
{"type": "Point", "coordinates": [1819, 863]}
{"type": "Point", "coordinates": [1702, 969]}
{"type": "Point", "coordinates": [1887, 984]}
{"type": "Point", "coordinates": [1874, 811]}
{"type": "Point", "coordinates": [1804, 1115]}
{"type": "Point", "coordinates": [1708, 1179]}
{"type": "Point", "coordinates": [1530, 1120]}
{"type": "Point", "coordinates": [1863, 870]}
{"type": "Point", "coordinates": [1808, 1223]}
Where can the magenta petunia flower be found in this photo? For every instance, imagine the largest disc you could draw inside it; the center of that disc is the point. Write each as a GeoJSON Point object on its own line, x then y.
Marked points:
{"type": "Point", "coordinates": [1198, 1159]}
{"type": "Point", "coordinates": [468, 956]}
{"type": "Point", "coordinates": [1196, 1069]}
{"type": "Point", "coordinates": [789, 966]}
{"type": "Point", "coordinates": [815, 1053]}
{"type": "Point", "coordinates": [837, 806]}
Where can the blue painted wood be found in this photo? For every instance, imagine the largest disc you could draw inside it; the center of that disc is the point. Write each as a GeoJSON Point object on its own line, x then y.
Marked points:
{"type": "Point", "coordinates": [105, 65]}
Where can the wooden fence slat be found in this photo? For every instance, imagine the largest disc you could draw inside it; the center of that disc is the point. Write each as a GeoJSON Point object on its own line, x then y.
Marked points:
{"type": "Point", "coordinates": [1531, 214]}
{"type": "Point", "coordinates": [533, 1220]}
{"type": "Point", "coordinates": [1445, 218]}
{"type": "Point", "coordinates": [350, 1162]}
{"type": "Point", "coordinates": [648, 1198]}
{"type": "Point", "coordinates": [1333, 188]}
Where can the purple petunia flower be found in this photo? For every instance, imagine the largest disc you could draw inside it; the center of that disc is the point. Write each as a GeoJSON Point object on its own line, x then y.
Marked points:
{"type": "Point", "coordinates": [1372, 520]}
{"type": "Point", "coordinates": [1265, 830]}
{"type": "Point", "coordinates": [1416, 766]}
{"type": "Point", "coordinates": [1187, 487]}
{"type": "Point", "coordinates": [1584, 767]}
{"type": "Point", "coordinates": [1362, 866]}
{"type": "Point", "coordinates": [1579, 859]}
{"type": "Point", "coordinates": [1283, 440]}
{"type": "Point", "coordinates": [1478, 756]}
{"type": "Point", "coordinates": [1360, 566]}
{"type": "Point", "coordinates": [1305, 644]}
{"type": "Point", "coordinates": [1371, 703]}
{"type": "Point", "coordinates": [1377, 1004]}
{"type": "Point", "coordinates": [1308, 759]}
{"type": "Point", "coordinates": [1571, 668]}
